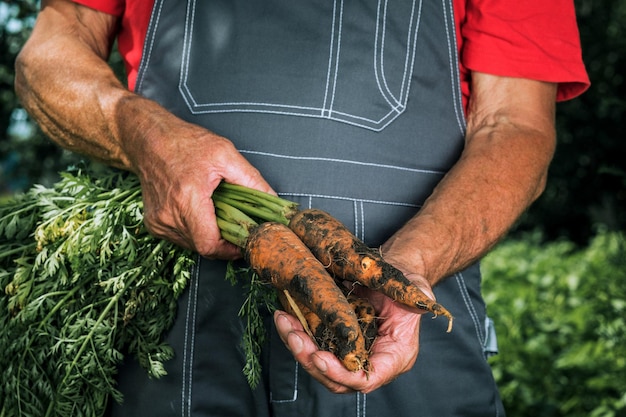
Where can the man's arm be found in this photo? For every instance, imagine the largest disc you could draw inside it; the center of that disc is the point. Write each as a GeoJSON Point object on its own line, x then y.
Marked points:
{"type": "Point", "coordinates": [509, 144]}
{"type": "Point", "coordinates": [65, 83]}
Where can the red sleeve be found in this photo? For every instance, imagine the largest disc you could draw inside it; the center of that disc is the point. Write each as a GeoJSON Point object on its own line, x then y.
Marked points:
{"type": "Point", "coordinates": [134, 19]}
{"type": "Point", "coordinates": [536, 39]}
{"type": "Point", "coordinates": [112, 7]}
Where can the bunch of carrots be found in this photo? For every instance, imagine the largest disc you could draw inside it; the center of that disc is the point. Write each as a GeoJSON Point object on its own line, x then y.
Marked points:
{"type": "Point", "coordinates": [308, 256]}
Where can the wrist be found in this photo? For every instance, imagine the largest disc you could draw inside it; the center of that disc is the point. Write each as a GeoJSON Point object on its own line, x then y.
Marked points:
{"type": "Point", "coordinates": [422, 248]}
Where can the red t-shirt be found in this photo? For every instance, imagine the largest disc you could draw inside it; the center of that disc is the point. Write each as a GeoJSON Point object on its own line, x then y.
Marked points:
{"type": "Point", "coordinates": [535, 39]}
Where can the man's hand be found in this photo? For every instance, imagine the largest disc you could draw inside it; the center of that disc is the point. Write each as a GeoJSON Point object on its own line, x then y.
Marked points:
{"type": "Point", "coordinates": [180, 165]}
{"type": "Point", "coordinates": [393, 353]}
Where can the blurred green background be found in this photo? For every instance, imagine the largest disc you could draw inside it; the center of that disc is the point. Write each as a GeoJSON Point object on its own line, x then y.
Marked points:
{"type": "Point", "coordinates": [556, 287]}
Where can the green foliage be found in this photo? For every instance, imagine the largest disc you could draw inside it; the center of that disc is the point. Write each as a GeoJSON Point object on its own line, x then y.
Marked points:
{"type": "Point", "coordinates": [83, 284]}
{"type": "Point", "coordinates": [260, 297]}
{"type": "Point", "coordinates": [560, 313]}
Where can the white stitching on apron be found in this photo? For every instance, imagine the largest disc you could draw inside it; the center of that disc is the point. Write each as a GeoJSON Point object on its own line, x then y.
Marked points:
{"type": "Point", "coordinates": [346, 161]}
{"type": "Point", "coordinates": [400, 103]}
{"type": "Point", "coordinates": [359, 219]}
{"type": "Point", "coordinates": [470, 307]}
{"type": "Point", "coordinates": [316, 111]}
{"type": "Point", "coordinates": [455, 79]}
{"type": "Point", "coordinates": [188, 350]}
{"type": "Point", "coordinates": [361, 406]}
{"type": "Point", "coordinates": [311, 196]}
{"type": "Point", "coordinates": [154, 19]}
{"type": "Point", "coordinates": [334, 68]}
{"type": "Point", "coordinates": [295, 387]}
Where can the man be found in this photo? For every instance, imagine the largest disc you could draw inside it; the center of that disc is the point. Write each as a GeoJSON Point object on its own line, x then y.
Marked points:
{"type": "Point", "coordinates": [426, 126]}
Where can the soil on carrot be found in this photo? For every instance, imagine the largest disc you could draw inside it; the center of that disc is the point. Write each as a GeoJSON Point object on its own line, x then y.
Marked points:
{"type": "Point", "coordinates": [348, 258]}
{"type": "Point", "coordinates": [280, 258]}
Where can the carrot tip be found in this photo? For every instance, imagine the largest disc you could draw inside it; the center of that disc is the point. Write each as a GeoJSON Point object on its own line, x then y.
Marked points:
{"type": "Point", "coordinates": [437, 310]}
{"type": "Point", "coordinates": [450, 320]}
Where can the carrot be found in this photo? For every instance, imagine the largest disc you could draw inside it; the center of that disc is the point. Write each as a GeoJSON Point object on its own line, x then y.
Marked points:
{"type": "Point", "coordinates": [367, 318]}
{"type": "Point", "coordinates": [304, 274]}
{"type": "Point", "coordinates": [280, 258]}
{"type": "Point", "coordinates": [348, 258]}
{"type": "Point", "coordinates": [316, 329]}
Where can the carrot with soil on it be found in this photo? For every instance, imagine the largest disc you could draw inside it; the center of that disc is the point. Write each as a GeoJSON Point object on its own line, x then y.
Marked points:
{"type": "Point", "coordinates": [337, 252]}
{"type": "Point", "coordinates": [279, 257]}
{"type": "Point", "coordinates": [321, 334]}
{"type": "Point", "coordinates": [348, 258]}
{"type": "Point", "coordinates": [366, 314]}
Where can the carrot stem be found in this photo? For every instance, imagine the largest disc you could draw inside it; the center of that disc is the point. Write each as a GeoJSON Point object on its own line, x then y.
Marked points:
{"type": "Point", "coordinates": [239, 209]}
{"type": "Point", "coordinates": [259, 212]}
{"type": "Point", "coordinates": [266, 207]}
{"type": "Point", "coordinates": [255, 195]}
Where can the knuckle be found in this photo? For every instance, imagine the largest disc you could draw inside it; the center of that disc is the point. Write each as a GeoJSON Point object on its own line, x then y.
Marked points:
{"type": "Point", "coordinates": [206, 250]}
{"type": "Point", "coordinates": [336, 389]}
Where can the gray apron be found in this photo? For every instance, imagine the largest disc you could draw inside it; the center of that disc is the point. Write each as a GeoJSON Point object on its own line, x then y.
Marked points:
{"type": "Point", "coordinates": [353, 107]}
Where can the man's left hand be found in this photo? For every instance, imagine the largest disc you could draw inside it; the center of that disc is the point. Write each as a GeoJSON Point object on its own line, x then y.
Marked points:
{"type": "Point", "coordinates": [393, 353]}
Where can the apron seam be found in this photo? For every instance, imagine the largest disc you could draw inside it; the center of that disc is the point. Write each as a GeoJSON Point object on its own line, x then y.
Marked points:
{"type": "Point", "coordinates": [295, 388]}
{"type": "Point", "coordinates": [470, 307]}
{"type": "Point", "coordinates": [333, 65]}
{"type": "Point", "coordinates": [359, 220]}
{"type": "Point", "coordinates": [337, 197]}
{"type": "Point", "coordinates": [345, 161]}
{"type": "Point", "coordinates": [155, 17]}
{"type": "Point", "coordinates": [361, 406]}
{"type": "Point", "coordinates": [189, 342]}
{"type": "Point", "coordinates": [454, 69]}
{"type": "Point", "coordinates": [399, 104]}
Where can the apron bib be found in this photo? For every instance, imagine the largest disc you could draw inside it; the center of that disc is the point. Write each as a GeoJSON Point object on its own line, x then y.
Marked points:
{"type": "Point", "coordinates": [353, 107]}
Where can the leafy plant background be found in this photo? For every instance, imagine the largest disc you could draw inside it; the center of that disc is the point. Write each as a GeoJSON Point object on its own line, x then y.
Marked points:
{"type": "Point", "coordinates": [559, 313]}
{"type": "Point", "coordinates": [556, 288]}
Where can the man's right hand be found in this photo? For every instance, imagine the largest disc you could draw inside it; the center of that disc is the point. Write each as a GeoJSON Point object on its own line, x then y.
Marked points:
{"type": "Point", "coordinates": [180, 165]}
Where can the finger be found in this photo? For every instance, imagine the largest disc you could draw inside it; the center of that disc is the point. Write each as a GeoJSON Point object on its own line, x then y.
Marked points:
{"type": "Point", "coordinates": [225, 251]}
{"type": "Point", "coordinates": [198, 225]}
{"type": "Point", "coordinates": [305, 351]}
{"type": "Point", "coordinates": [386, 362]}
{"type": "Point", "coordinates": [285, 324]}
{"type": "Point", "coordinates": [242, 173]}
{"type": "Point", "coordinates": [383, 370]}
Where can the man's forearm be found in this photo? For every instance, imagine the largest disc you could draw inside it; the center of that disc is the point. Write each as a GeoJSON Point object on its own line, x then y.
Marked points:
{"type": "Point", "coordinates": [65, 83]}
{"type": "Point", "coordinates": [501, 172]}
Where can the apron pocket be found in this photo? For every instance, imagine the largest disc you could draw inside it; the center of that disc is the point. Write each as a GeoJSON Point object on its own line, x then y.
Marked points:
{"type": "Point", "coordinates": [357, 61]}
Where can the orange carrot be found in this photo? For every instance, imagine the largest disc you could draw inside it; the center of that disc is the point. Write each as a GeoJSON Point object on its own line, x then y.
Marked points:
{"type": "Point", "coordinates": [280, 258]}
{"type": "Point", "coordinates": [348, 258]}
{"type": "Point", "coordinates": [323, 337]}
{"type": "Point", "coordinates": [366, 314]}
